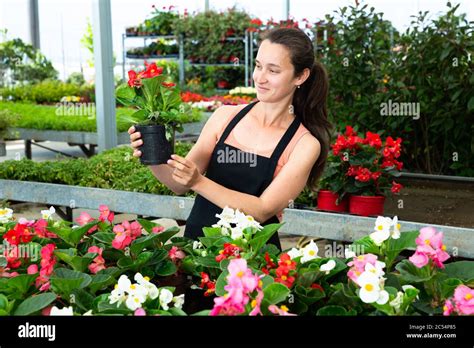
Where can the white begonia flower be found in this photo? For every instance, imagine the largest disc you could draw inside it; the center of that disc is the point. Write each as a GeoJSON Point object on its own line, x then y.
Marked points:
{"type": "Point", "coordinates": [226, 218]}
{"type": "Point", "coordinates": [152, 290]}
{"type": "Point", "coordinates": [166, 297]}
{"type": "Point", "coordinates": [88, 313]}
{"type": "Point", "coordinates": [370, 290]}
{"type": "Point", "coordinates": [397, 301]}
{"type": "Point", "coordinates": [328, 266]}
{"type": "Point", "coordinates": [123, 283]}
{"type": "Point", "coordinates": [46, 214]}
{"type": "Point", "coordinates": [237, 232]}
{"type": "Point", "coordinates": [204, 253]}
{"type": "Point", "coordinates": [294, 253]}
{"type": "Point", "coordinates": [197, 245]}
{"type": "Point", "coordinates": [382, 230]}
{"type": "Point", "coordinates": [377, 269]}
{"type": "Point", "coordinates": [64, 311]}
{"type": "Point", "coordinates": [135, 300]}
{"type": "Point", "coordinates": [6, 214]}
{"type": "Point", "coordinates": [119, 294]}
{"type": "Point", "coordinates": [245, 221]}
{"type": "Point", "coordinates": [178, 301]}
{"type": "Point", "coordinates": [310, 252]}
{"type": "Point", "coordinates": [396, 228]}
{"type": "Point", "coordinates": [349, 254]}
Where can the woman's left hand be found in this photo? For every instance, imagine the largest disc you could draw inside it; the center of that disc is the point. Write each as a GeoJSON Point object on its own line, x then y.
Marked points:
{"type": "Point", "coordinates": [185, 172]}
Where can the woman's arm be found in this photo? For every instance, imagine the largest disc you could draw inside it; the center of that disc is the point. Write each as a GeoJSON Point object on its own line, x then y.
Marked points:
{"type": "Point", "coordinates": [286, 186]}
{"type": "Point", "coordinates": [200, 153]}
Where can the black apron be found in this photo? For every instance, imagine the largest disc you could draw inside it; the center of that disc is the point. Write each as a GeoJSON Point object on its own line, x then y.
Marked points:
{"type": "Point", "coordinates": [242, 177]}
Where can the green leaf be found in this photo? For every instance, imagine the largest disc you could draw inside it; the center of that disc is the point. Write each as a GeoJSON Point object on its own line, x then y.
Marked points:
{"type": "Point", "coordinates": [275, 293]}
{"type": "Point", "coordinates": [309, 295]}
{"type": "Point", "coordinates": [164, 236]}
{"type": "Point", "coordinates": [82, 299]}
{"type": "Point", "coordinates": [141, 243]}
{"type": "Point", "coordinates": [64, 281]}
{"type": "Point", "coordinates": [3, 301]}
{"type": "Point", "coordinates": [208, 261]}
{"type": "Point", "coordinates": [368, 245]}
{"type": "Point", "coordinates": [463, 270]}
{"type": "Point", "coordinates": [262, 236]}
{"type": "Point", "coordinates": [35, 303]}
{"type": "Point", "coordinates": [147, 224]}
{"type": "Point", "coordinates": [21, 283]}
{"type": "Point", "coordinates": [212, 232]}
{"type": "Point", "coordinates": [409, 273]}
{"type": "Point", "coordinates": [166, 268]}
{"type": "Point", "coordinates": [100, 282]}
{"type": "Point", "coordinates": [177, 312]}
{"type": "Point", "coordinates": [205, 312]}
{"type": "Point", "coordinates": [104, 237]}
{"type": "Point", "coordinates": [395, 246]}
{"type": "Point", "coordinates": [221, 282]}
{"type": "Point", "coordinates": [470, 104]}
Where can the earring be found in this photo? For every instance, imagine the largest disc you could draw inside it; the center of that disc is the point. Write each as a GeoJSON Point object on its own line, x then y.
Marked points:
{"type": "Point", "coordinates": [299, 86]}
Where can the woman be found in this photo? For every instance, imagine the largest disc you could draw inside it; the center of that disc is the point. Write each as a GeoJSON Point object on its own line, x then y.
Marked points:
{"type": "Point", "coordinates": [284, 138]}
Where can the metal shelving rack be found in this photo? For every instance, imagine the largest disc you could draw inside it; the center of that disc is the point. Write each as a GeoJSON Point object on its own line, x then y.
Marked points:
{"type": "Point", "coordinates": [245, 41]}
{"type": "Point", "coordinates": [179, 57]}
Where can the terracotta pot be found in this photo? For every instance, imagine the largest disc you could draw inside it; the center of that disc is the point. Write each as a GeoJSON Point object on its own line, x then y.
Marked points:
{"type": "Point", "coordinates": [366, 205]}
{"type": "Point", "coordinates": [327, 201]}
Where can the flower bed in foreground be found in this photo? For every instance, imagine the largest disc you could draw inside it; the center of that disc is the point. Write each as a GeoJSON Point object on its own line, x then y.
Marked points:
{"type": "Point", "coordinates": [95, 267]}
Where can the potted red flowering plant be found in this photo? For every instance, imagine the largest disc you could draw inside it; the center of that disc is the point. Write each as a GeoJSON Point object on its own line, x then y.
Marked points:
{"type": "Point", "coordinates": [160, 111]}
{"type": "Point", "coordinates": [372, 166]}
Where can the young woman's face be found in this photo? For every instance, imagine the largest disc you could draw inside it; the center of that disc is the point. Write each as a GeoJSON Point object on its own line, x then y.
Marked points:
{"type": "Point", "coordinates": [273, 74]}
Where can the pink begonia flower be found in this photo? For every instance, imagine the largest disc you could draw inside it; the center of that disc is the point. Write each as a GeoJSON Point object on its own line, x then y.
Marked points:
{"type": "Point", "coordinates": [419, 259]}
{"type": "Point", "coordinates": [429, 246]}
{"type": "Point", "coordinates": [98, 263]}
{"type": "Point", "coordinates": [40, 227]}
{"type": "Point", "coordinates": [32, 269]}
{"type": "Point", "coordinates": [105, 214]}
{"type": "Point", "coordinates": [226, 306]}
{"type": "Point", "coordinates": [256, 304]}
{"type": "Point", "coordinates": [464, 298]}
{"type": "Point", "coordinates": [46, 311]}
{"type": "Point", "coordinates": [176, 254]}
{"type": "Point", "coordinates": [122, 238]}
{"type": "Point", "coordinates": [139, 312]}
{"type": "Point", "coordinates": [134, 229]}
{"type": "Point", "coordinates": [5, 274]}
{"type": "Point", "coordinates": [23, 221]}
{"type": "Point", "coordinates": [157, 229]}
{"type": "Point", "coordinates": [84, 219]}
{"type": "Point", "coordinates": [448, 308]}
{"type": "Point", "coordinates": [358, 265]}
{"type": "Point", "coordinates": [283, 310]}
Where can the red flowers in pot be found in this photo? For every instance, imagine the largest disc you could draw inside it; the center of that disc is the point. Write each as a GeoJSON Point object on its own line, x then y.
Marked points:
{"type": "Point", "coordinates": [363, 167]}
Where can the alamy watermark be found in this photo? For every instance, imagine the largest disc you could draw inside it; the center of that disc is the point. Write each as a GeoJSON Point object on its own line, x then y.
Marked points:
{"type": "Point", "coordinates": [66, 108]}
{"type": "Point", "coordinates": [392, 108]}
{"type": "Point", "coordinates": [29, 250]}
{"type": "Point", "coordinates": [236, 156]}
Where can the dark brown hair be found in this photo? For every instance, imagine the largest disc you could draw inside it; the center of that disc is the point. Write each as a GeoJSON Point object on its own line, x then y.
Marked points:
{"type": "Point", "coordinates": [310, 100]}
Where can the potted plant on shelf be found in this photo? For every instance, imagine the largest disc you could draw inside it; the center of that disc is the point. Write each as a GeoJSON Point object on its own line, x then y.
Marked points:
{"type": "Point", "coordinates": [372, 166]}
{"type": "Point", "coordinates": [160, 111]}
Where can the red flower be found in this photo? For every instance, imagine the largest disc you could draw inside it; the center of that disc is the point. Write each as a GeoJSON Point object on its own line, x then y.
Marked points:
{"type": "Point", "coordinates": [316, 286]}
{"type": "Point", "coordinates": [396, 187]}
{"type": "Point", "coordinates": [285, 280]}
{"type": "Point", "coordinates": [376, 175]}
{"type": "Point", "coordinates": [151, 71]}
{"type": "Point", "coordinates": [229, 250]}
{"type": "Point", "coordinates": [286, 261]}
{"type": "Point", "coordinates": [168, 84]}
{"type": "Point", "coordinates": [19, 234]}
{"type": "Point", "coordinates": [373, 139]}
{"type": "Point", "coordinates": [363, 175]}
{"type": "Point", "coordinates": [134, 79]}
{"type": "Point", "coordinates": [350, 131]}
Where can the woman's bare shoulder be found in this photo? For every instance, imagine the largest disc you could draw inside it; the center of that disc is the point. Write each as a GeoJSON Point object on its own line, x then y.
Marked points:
{"type": "Point", "coordinates": [223, 115]}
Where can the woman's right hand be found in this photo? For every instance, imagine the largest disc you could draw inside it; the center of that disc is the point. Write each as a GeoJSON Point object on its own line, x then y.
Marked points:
{"type": "Point", "coordinates": [135, 141]}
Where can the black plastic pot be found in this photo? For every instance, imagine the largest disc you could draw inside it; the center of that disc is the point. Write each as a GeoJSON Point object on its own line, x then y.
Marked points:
{"type": "Point", "coordinates": [156, 149]}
